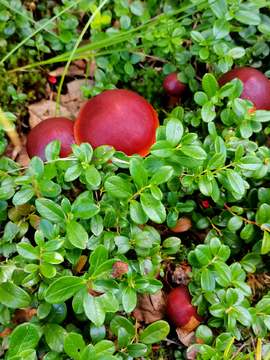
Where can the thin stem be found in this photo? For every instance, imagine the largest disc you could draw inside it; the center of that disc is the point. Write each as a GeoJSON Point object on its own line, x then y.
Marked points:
{"type": "Point", "coordinates": [74, 50]}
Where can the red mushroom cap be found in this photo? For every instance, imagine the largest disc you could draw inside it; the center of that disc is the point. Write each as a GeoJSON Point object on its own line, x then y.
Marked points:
{"type": "Point", "coordinates": [172, 86]}
{"type": "Point", "coordinates": [119, 118]}
{"type": "Point", "coordinates": [256, 85]}
{"type": "Point", "coordinates": [179, 308]}
{"type": "Point", "coordinates": [47, 131]}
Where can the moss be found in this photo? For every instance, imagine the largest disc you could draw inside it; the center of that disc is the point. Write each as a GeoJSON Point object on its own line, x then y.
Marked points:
{"type": "Point", "coordinates": [148, 84]}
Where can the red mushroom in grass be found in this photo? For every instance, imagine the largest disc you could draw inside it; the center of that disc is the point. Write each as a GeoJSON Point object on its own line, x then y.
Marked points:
{"type": "Point", "coordinates": [180, 310]}
{"type": "Point", "coordinates": [47, 131]}
{"type": "Point", "coordinates": [256, 86]}
{"type": "Point", "coordinates": [173, 88]}
{"type": "Point", "coordinates": [118, 118]}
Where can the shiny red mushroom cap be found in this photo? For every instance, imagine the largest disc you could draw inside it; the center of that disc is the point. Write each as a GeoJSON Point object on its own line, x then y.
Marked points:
{"type": "Point", "coordinates": [172, 86]}
{"type": "Point", "coordinates": [179, 308]}
{"type": "Point", "coordinates": [119, 118]}
{"type": "Point", "coordinates": [47, 131]}
{"type": "Point", "coordinates": [256, 86]}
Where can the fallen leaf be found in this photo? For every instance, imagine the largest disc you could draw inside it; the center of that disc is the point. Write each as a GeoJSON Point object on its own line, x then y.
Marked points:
{"type": "Point", "coordinates": [73, 70]}
{"type": "Point", "coordinates": [95, 293]}
{"type": "Point", "coordinates": [182, 225]}
{"type": "Point", "coordinates": [119, 268]}
{"type": "Point", "coordinates": [187, 339]}
{"type": "Point", "coordinates": [45, 109]}
{"type": "Point", "coordinates": [180, 275]}
{"type": "Point", "coordinates": [18, 153]}
{"type": "Point", "coordinates": [150, 308]}
{"type": "Point", "coordinates": [79, 264]}
{"type": "Point", "coordinates": [81, 63]}
{"type": "Point", "coordinates": [21, 316]}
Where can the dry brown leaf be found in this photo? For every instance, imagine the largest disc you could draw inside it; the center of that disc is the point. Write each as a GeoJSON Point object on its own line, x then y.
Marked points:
{"type": "Point", "coordinates": [73, 70]}
{"type": "Point", "coordinates": [73, 100]}
{"type": "Point", "coordinates": [150, 308]}
{"type": "Point", "coordinates": [18, 154]}
{"type": "Point", "coordinates": [95, 293]}
{"type": "Point", "coordinates": [180, 275]}
{"type": "Point", "coordinates": [21, 316]}
{"type": "Point", "coordinates": [119, 268]}
{"type": "Point", "coordinates": [81, 63]}
{"type": "Point", "coordinates": [45, 109]}
{"type": "Point", "coordinates": [187, 339]}
{"type": "Point", "coordinates": [182, 225]}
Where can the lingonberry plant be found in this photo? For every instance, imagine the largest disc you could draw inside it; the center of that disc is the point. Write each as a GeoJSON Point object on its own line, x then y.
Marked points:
{"type": "Point", "coordinates": [88, 235]}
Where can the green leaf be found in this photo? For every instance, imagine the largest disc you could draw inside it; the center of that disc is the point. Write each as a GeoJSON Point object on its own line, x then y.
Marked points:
{"type": "Point", "coordinates": [210, 85]}
{"type": "Point", "coordinates": [138, 173]}
{"type": "Point", "coordinates": [77, 234]}
{"type": "Point", "coordinates": [162, 148]}
{"type": "Point", "coordinates": [137, 8]}
{"type": "Point", "coordinates": [235, 223]}
{"type": "Point", "coordinates": [153, 208]}
{"type": "Point", "coordinates": [261, 116]}
{"type": "Point", "coordinates": [194, 151]}
{"type": "Point", "coordinates": [73, 172]}
{"type": "Point", "coordinates": [129, 299]}
{"type": "Point", "coordinates": [26, 250]}
{"type": "Point", "coordinates": [118, 187]}
{"type": "Point", "coordinates": [207, 280]}
{"type": "Point", "coordinates": [224, 271]}
{"type": "Point", "coordinates": [55, 336]}
{"type": "Point", "coordinates": [92, 176]}
{"type": "Point", "coordinates": [13, 296]}
{"type": "Point", "coordinates": [266, 243]}
{"type": "Point", "coordinates": [119, 322]}
{"type": "Point", "coordinates": [98, 256]}
{"type": "Point", "coordinates": [63, 289]}
{"type": "Point", "coordinates": [247, 17]}
{"type": "Point", "coordinates": [102, 154]}
{"type": "Point", "coordinates": [24, 337]}
{"type": "Point", "coordinates": [24, 195]}
{"type": "Point", "coordinates": [216, 161]}
{"type": "Point", "coordinates": [208, 111]}
{"type": "Point", "coordinates": [97, 333]}
{"type": "Point", "coordinates": [205, 186]}
{"type": "Point", "coordinates": [174, 131]}
{"type": "Point", "coordinates": [162, 175]}
{"type": "Point", "coordinates": [203, 254]}
{"type": "Point", "coordinates": [235, 181]}
{"type": "Point", "coordinates": [86, 209]}
{"type": "Point", "coordinates": [94, 309]}
{"type": "Point", "coordinates": [104, 349]}
{"type": "Point", "coordinates": [74, 345]}
{"type": "Point", "coordinates": [221, 28]}
{"type": "Point", "coordinates": [50, 210]}
{"type": "Point", "coordinates": [155, 332]}
{"type": "Point", "coordinates": [137, 350]}
{"type": "Point", "coordinates": [250, 163]}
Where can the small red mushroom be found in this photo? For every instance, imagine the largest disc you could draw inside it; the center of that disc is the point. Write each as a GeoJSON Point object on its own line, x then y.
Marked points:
{"type": "Point", "coordinates": [119, 118]}
{"type": "Point", "coordinates": [180, 310]}
{"type": "Point", "coordinates": [174, 88]}
{"type": "Point", "coordinates": [47, 131]}
{"type": "Point", "coordinates": [256, 86]}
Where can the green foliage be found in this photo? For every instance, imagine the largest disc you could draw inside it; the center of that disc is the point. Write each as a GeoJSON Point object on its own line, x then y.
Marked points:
{"type": "Point", "coordinates": [74, 242]}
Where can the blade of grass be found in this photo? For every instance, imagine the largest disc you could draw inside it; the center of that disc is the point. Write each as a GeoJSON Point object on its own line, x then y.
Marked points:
{"type": "Point", "coordinates": [35, 32]}
{"type": "Point", "coordinates": [114, 41]}
{"type": "Point", "coordinates": [74, 50]}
